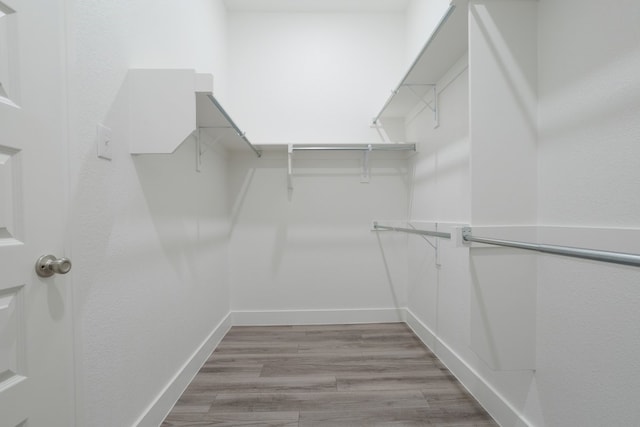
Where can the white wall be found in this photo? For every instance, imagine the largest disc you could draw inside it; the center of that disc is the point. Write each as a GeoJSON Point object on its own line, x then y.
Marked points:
{"type": "Point", "coordinates": [438, 285]}
{"type": "Point", "coordinates": [421, 19]}
{"type": "Point", "coordinates": [503, 112]}
{"type": "Point", "coordinates": [440, 190]}
{"type": "Point", "coordinates": [312, 77]}
{"type": "Point", "coordinates": [444, 285]}
{"type": "Point", "coordinates": [581, 134]}
{"type": "Point", "coordinates": [589, 175]}
{"type": "Point", "coordinates": [312, 249]}
{"type": "Point", "coordinates": [149, 233]}
{"type": "Point", "coordinates": [589, 89]}
{"type": "Point", "coordinates": [150, 273]}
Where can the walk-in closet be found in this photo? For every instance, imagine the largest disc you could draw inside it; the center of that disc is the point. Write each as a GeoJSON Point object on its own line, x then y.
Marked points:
{"type": "Point", "coordinates": [319, 213]}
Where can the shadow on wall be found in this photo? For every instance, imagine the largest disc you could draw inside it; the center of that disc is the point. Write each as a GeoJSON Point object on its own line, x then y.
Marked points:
{"type": "Point", "coordinates": [519, 73]}
{"type": "Point", "coordinates": [100, 193]}
{"type": "Point", "coordinates": [392, 285]}
{"type": "Point", "coordinates": [582, 40]}
{"type": "Point", "coordinates": [305, 167]}
{"type": "Point", "coordinates": [502, 314]}
{"type": "Point", "coordinates": [482, 310]}
{"type": "Point", "coordinates": [319, 237]}
{"type": "Point", "coordinates": [185, 210]}
{"type": "Point", "coordinates": [503, 309]}
{"type": "Point", "coordinates": [598, 105]}
{"type": "Point", "coordinates": [238, 203]}
{"type": "Point", "coordinates": [170, 205]}
{"type": "Point", "coordinates": [448, 163]}
{"type": "Point", "coordinates": [503, 317]}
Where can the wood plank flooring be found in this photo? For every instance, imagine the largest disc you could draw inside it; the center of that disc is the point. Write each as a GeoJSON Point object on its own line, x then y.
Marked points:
{"type": "Point", "coordinates": [334, 375]}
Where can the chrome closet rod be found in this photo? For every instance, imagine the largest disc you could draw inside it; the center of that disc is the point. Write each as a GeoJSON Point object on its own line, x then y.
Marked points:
{"type": "Point", "coordinates": [412, 231]}
{"type": "Point", "coordinates": [591, 254]}
{"type": "Point", "coordinates": [233, 124]}
{"type": "Point", "coordinates": [392, 147]}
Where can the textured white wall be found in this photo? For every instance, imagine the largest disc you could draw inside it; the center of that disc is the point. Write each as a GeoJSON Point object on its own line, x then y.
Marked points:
{"type": "Point", "coordinates": [439, 296]}
{"type": "Point", "coordinates": [314, 250]}
{"type": "Point", "coordinates": [149, 233]}
{"type": "Point", "coordinates": [503, 134]}
{"type": "Point", "coordinates": [304, 78]}
{"type": "Point", "coordinates": [150, 254]}
{"type": "Point", "coordinates": [439, 192]}
{"type": "Point", "coordinates": [589, 109]}
{"type": "Point", "coordinates": [586, 156]}
{"type": "Point", "coordinates": [589, 176]}
{"type": "Point", "coordinates": [443, 289]}
{"type": "Point", "coordinates": [312, 77]}
{"type": "Point", "coordinates": [503, 112]}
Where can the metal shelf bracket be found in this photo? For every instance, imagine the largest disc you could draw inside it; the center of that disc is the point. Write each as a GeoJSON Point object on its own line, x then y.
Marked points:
{"type": "Point", "coordinates": [290, 167]}
{"type": "Point", "coordinates": [432, 104]}
{"type": "Point", "coordinates": [366, 166]}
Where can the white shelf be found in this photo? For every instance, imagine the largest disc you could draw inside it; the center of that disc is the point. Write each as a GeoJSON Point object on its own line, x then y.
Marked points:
{"type": "Point", "coordinates": [342, 151]}
{"type": "Point", "coordinates": [166, 106]}
{"type": "Point", "coordinates": [367, 152]}
{"type": "Point", "coordinates": [446, 45]}
{"type": "Point", "coordinates": [212, 118]}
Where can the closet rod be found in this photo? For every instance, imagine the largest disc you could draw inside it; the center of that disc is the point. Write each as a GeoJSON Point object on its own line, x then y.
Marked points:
{"type": "Point", "coordinates": [364, 147]}
{"type": "Point", "coordinates": [592, 254]}
{"type": "Point", "coordinates": [233, 124]}
{"type": "Point", "coordinates": [412, 231]}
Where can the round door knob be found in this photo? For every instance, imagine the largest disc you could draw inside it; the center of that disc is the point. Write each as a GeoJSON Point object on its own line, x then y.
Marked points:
{"type": "Point", "coordinates": [48, 265]}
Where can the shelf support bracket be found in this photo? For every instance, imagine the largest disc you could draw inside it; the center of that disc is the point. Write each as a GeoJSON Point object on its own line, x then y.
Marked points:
{"type": "Point", "coordinates": [435, 246]}
{"type": "Point", "coordinates": [436, 110]}
{"type": "Point", "coordinates": [201, 148]}
{"type": "Point", "coordinates": [432, 105]}
{"type": "Point", "coordinates": [290, 167]}
{"type": "Point", "coordinates": [199, 151]}
{"type": "Point", "coordinates": [380, 130]}
{"type": "Point", "coordinates": [366, 166]}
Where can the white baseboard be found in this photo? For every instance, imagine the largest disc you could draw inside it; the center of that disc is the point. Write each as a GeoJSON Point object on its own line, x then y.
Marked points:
{"type": "Point", "coordinates": [162, 405]}
{"type": "Point", "coordinates": [317, 317]}
{"type": "Point", "coordinates": [501, 410]}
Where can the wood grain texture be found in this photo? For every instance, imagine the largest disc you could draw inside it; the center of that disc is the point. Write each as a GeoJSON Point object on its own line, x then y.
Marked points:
{"type": "Point", "coordinates": [333, 375]}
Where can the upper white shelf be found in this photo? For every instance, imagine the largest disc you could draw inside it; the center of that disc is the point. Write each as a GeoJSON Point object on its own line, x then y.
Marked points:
{"type": "Point", "coordinates": [446, 45]}
{"type": "Point", "coordinates": [166, 106]}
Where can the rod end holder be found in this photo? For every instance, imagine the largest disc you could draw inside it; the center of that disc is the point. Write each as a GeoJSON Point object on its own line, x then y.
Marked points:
{"type": "Point", "coordinates": [466, 234]}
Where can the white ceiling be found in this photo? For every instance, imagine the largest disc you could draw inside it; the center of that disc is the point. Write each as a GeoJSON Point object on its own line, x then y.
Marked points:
{"type": "Point", "coordinates": [316, 5]}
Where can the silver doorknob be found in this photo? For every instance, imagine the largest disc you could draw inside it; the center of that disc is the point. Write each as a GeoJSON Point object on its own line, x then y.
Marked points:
{"type": "Point", "coordinates": [48, 265]}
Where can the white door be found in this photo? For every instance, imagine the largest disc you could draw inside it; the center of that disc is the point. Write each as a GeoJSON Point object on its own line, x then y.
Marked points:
{"type": "Point", "coordinates": [36, 346]}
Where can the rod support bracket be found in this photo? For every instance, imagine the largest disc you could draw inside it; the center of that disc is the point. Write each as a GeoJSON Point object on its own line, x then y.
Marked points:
{"type": "Point", "coordinates": [466, 233]}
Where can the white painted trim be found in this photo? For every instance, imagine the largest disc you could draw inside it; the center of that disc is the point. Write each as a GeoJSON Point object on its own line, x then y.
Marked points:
{"type": "Point", "coordinates": [311, 317]}
{"type": "Point", "coordinates": [499, 408]}
{"type": "Point", "coordinates": [163, 403]}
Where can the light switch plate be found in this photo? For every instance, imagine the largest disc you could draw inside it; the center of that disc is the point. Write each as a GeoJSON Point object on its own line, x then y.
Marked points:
{"type": "Point", "coordinates": [104, 142]}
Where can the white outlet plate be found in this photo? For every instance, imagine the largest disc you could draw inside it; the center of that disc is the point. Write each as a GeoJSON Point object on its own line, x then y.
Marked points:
{"type": "Point", "coordinates": [104, 142]}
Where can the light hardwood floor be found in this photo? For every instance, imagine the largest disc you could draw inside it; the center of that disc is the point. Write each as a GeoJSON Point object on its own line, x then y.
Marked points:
{"type": "Point", "coordinates": [335, 375]}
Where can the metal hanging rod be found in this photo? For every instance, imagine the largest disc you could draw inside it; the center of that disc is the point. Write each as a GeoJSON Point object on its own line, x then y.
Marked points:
{"type": "Point", "coordinates": [357, 147]}
{"type": "Point", "coordinates": [592, 254]}
{"type": "Point", "coordinates": [412, 231]}
{"type": "Point", "coordinates": [233, 124]}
